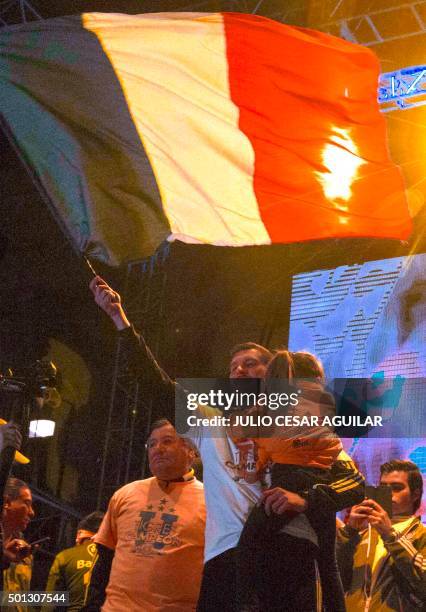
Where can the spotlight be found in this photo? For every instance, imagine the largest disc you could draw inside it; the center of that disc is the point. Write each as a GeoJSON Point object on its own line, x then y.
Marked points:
{"type": "Point", "coordinates": [41, 428]}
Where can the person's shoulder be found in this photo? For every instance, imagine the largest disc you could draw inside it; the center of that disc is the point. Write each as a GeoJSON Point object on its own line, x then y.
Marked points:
{"type": "Point", "coordinates": [194, 498]}
{"type": "Point", "coordinates": [65, 555]}
{"type": "Point", "coordinates": [67, 551]}
{"type": "Point", "coordinates": [344, 457]}
{"type": "Point", "coordinates": [133, 486]}
{"type": "Point", "coordinates": [420, 530]}
{"type": "Point", "coordinates": [310, 384]}
{"type": "Point", "coordinates": [197, 484]}
{"type": "Point", "coordinates": [345, 462]}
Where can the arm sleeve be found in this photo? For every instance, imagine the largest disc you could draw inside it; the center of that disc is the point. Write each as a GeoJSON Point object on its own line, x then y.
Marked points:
{"type": "Point", "coordinates": [347, 540]}
{"type": "Point", "coordinates": [347, 487]}
{"type": "Point", "coordinates": [5, 563]}
{"type": "Point", "coordinates": [54, 580]}
{"type": "Point", "coordinates": [410, 561]}
{"type": "Point", "coordinates": [141, 358]}
{"type": "Point", "coordinates": [99, 580]}
{"type": "Point", "coordinates": [142, 362]}
{"type": "Point", "coordinates": [107, 532]}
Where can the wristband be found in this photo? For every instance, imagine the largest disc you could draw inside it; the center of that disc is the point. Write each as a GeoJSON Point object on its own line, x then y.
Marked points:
{"type": "Point", "coordinates": [392, 537]}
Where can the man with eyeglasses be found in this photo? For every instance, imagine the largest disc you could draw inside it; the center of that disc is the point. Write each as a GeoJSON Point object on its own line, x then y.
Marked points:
{"type": "Point", "coordinates": [151, 541]}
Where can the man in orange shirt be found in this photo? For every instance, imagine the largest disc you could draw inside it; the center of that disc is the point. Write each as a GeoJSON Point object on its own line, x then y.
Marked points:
{"type": "Point", "coordinates": [151, 541]}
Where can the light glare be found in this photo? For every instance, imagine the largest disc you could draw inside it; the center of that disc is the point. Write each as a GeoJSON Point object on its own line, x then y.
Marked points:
{"type": "Point", "coordinates": [341, 158]}
{"type": "Point", "coordinates": [42, 428]}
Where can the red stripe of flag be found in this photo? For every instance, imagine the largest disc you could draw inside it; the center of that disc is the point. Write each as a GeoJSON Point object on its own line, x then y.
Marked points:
{"type": "Point", "coordinates": [294, 87]}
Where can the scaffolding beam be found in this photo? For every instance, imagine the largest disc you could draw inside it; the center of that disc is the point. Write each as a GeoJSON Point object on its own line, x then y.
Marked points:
{"type": "Point", "coordinates": [13, 12]}
{"type": "Point", "coordinates": [131, 403]}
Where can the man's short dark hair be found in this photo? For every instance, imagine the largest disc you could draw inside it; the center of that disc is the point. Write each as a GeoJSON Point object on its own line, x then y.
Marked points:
{"type": "Point", "coordinates": [162, 422]}
{"type": "Point", "coordinates": [13, 488]}
{"type": "Point", "coordinates": [91, 522]}
{"type": "Point", "coordinates": [159, 423]}
{"type": "Point", "coordinates": [414, 478]}
{"type": "Point", "coordinates": [265, 354]}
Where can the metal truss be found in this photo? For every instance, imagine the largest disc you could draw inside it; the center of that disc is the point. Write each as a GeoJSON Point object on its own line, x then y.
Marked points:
{"type": "Point", "coordinates": [238, 6]}
{"type": "Point", "coordinates": [54, 518]}
{"type": "Point", "coordinates": [368, 28]}
{"type": "Point", "coordinates": [17, 11]}
{"type": "Point", "coordinates": [131, 405]}
{"type": "Point", "coordinates": [369, 24]}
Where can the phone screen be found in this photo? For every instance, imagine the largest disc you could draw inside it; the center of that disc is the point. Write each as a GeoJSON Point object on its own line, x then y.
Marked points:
{"type": "Point", "coordinates": [382, 495]}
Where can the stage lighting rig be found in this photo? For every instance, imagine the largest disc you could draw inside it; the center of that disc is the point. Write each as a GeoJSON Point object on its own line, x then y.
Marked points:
{"type": "Point", "coordinates": [33, 395]}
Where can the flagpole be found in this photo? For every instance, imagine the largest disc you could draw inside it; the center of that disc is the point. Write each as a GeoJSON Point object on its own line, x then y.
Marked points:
{"type": "Point", "coordinates": [257, 7]}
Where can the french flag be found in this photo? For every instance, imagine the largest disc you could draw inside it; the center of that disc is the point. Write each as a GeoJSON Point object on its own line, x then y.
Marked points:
{"type": "Point", "coordinates": [223, 128]}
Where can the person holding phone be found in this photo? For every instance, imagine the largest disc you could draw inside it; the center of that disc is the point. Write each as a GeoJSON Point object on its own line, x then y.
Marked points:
{"type": "Point", "coordinates": [382, 558]}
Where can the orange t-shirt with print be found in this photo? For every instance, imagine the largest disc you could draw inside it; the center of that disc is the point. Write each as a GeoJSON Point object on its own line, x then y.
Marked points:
{"type": "Point", "coordinates": [158, 538]}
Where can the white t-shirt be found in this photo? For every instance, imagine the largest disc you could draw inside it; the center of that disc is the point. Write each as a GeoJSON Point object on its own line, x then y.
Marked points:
{"type": "Point", "coordinates": [229, 498]}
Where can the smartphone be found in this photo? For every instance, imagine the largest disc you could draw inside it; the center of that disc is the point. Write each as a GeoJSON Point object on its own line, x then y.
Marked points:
{"type": "Point", "coordinates": [382, 495]}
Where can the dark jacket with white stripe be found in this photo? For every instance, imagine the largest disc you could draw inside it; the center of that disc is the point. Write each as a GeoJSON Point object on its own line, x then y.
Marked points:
{"type": "Point", "coordinates": [400, 583]}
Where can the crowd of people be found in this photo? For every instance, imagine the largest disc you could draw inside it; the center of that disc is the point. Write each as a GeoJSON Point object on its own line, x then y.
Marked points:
{"type": "Point", "coordinates": [259, 534]}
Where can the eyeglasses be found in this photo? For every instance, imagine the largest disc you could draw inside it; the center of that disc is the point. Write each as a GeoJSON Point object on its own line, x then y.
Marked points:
{"type": "Point", "coordinates": [164, 442]}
